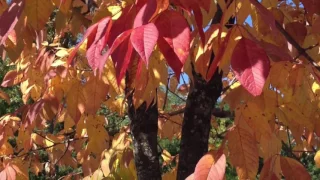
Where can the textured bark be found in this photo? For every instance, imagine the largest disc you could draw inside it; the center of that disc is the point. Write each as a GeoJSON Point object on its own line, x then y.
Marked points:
{"type": "Point", "coordinates": [144, 128]}
{"type": "Point", "coordinates": [197, 116]}
{"type": "Point", "coordinates": [196, 123]}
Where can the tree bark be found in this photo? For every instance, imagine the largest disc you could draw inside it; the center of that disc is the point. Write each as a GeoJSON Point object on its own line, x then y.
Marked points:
{"type": "Point", "coordinates": [197, 116]}
{"type": "Point", "coordinates": [196, 123]}
{"type": "Point", "coordinates": [144, 129]}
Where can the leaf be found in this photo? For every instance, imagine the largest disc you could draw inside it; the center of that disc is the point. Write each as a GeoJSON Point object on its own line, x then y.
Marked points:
{"type": "Point", "coordinates": [143, 39]}
{"type": "Point", "coordinates": [297, 31]}
{"type": "Point", "coordinates": [9, 19]}
{"type": "Point", "coordinates": [94, 52]}
{"type": "Point", "coordinates": [292, 169]}
{"type": "Point", "coordinates": [4, 96]}
{"type": "Point", "coordinates": [38, 13]}
{"type": "Point", "coordinates": [317, 159]}
{"type": "Point", "coordinates": [174, 39]}
{"type": "Point", "coordinates": [243, 153]}
{"type": "Point", "coordinates": [75, 101]}
{"type": "Point", "coordinates": [145, 13]}
{"type": "Point", "coordinates": [209, 168]}
{"type": "Point", "coordinates": [266, 15]}
{"type": "Point", "coordinates": [95, 92]}
{"type": "Point", "coordinates": [271, 169]}
{"type": "Point", "coordinates": [121, 65]}
{"type": "Point", "coordinates": [251, 65]}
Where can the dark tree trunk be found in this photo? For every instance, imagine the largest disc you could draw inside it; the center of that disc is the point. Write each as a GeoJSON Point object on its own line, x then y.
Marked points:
{"type": "Point", "coordinates": [197, 116]}
{"type": "Point", "coordinates": [144, 129]}
{"type": "Point", "coordinates": [196, 123]}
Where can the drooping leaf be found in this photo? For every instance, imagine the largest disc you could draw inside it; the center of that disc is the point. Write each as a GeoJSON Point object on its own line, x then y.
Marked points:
{"type": "Point", "coordinates": [317, 159]}
{"type": "Point", "coordinates": [95, 92]}
{"type": "Point", "coordinates": [4, 96]}
{"type": "Point", "coordinates": [292, 169]}
{"type": "Point", "coordinates": [209, 168]}
{"type": "Point", "coordinates": [143, 39]}
{"type": "Point", "coordinates": [174, 39]}
{"type": "Point", "coordinates": [121, 42]}
{"type": "Point", "coordinates": [243, 153]}
{"type": "Point", "coordinates": [94, 52]}
{"type": "Point", "coordinates": [145, 13]}
{"type": "Point", "coordinates": [38, 13]}
{"type": "Point", "coordinates": [9, 19]}
{"type": "Point", "coordinates": [251, 65]}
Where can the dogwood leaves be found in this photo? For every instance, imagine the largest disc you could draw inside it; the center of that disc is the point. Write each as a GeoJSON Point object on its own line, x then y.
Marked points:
{"type": "Point", "coordinates": [251, 65]}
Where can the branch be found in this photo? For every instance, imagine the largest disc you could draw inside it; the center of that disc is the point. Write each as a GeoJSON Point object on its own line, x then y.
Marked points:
{"type": "Point", "coordinates": [295, 44]}
{"type": "Point", "coordinates": [216, 112]}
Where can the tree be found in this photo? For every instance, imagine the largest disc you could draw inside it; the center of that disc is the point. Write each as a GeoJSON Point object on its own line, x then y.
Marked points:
{"type": "Point", "coordinates": [73, 59]}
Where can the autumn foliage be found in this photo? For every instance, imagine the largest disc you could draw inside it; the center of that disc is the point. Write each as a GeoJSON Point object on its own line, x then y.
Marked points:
{"type": "Point", "coordinates": [71, 58]}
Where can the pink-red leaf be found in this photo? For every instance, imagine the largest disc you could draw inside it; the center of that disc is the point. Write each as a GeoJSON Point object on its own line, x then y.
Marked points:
{"type": "Point", "coordinates": [174, 39]}
{"type": "Point", "coordinates": [145, 13]}
{"type": "Point", "coordinates": [143, 39]}
{"type": "Point", "coordinates": [207, 168]}
{"type": "Point", "coordinates": [9, 19]}
{"type": "Point", "coordinates": [251, 65]}
{"type": "Point", "coordinates": [91, 30]}
{"type": "Point", "coordinates": [94, 51]}
{"type": "Point", "coordinates": [123, 44]}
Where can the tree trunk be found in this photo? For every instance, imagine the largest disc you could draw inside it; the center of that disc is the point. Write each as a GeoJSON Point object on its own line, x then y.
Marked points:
{"type": "Point", "coordinates": [144, 129]}
{"type": "Point", "coordinates": [196, 123]}
{"type": "Point", "coordinates": [197, 116]}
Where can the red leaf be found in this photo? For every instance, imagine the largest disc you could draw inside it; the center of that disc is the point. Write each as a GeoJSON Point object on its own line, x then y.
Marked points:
{"type": "Point", "coordinates": [34, 111]}
{"type": "Point", "coordinates": [9, 19]}
{"type": "Point", "coordinates": [198, 15]}
{"type": "Point", "coordinates": [251, 65]}
{"type": "Point", "coordinates": [94, 51]}
{"type": "Point", "coordinates": [121, 65]}
{"type": "Point", "coordinates": [91, 30]}
{"type": "Point", "coordinates": [143, 39]}
{"type": "Point", "coordinates": [145, 13]}
{"type": "Point", "coordinates": [11, 173]}
{"type": "Point", "coordinates": [174, 39]}
{"type": "Point", "coordinates": [12, 78]}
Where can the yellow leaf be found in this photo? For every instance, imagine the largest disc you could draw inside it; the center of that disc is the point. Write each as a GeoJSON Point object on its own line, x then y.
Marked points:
{"type": "Point", "coordinates": [167, 158]}
{"type": "Point", "coordinates": [63, 6]}
{"type": "Point", "coordinates": [75, 101]}
{"type": "Point", "coordinates": [317, 159]}
{"type": "Point", "coordinates": [95, 92]}
{"type": "Point", "coordinates": [36, 167]}
{"type": "Point", "coordinates": [243, 153]}
{"type": "Point", "coordinates": [98, 136]}
{"type": "Point", "coordinates": [38, 12]}
{"type": "Point", "coordinates": [6, 149]}
{"type": "Point", "coordinates": [62, 53]}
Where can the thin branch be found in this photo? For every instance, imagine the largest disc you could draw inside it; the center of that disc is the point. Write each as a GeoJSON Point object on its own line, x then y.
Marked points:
{"type": "Point", "coordinates": [64, 153]}
{"type": "Point", "coordinates": [166, 96]}
{"type": "Point", "coordinates": [289, 141]}
{"type": "Point", "coordinates": [295, 44]}
{"type": "Point", "coordinates": [217, 112]}
{"type": "Point", "coordinates": [176, 95]}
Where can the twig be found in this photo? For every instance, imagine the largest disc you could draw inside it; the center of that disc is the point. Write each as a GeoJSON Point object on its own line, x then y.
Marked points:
{"type": "Point", "coordinates": [176, 95]}
{"type": "Point", "coordinates": [166, 96]}
{"type": "Point", "coordinates": [217, 112]}
{"type": "Point", "coordinates": [295, 44]}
